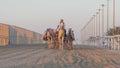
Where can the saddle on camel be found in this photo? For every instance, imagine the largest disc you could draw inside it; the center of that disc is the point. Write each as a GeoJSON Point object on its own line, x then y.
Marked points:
{"type": "Point", "coordinates": [57, 38]}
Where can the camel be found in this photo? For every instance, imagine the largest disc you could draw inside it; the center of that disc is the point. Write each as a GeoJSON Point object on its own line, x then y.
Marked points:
{"type": "Point", "coordinates": [61, 37]}
{"type": "Point", "coordinates": [70, 39]}
{"type": "Point", "coordinates": [49, 36]}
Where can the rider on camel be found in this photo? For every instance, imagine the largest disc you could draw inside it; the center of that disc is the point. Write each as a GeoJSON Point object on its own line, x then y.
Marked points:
{"type": "Point", "coordinates": [61, 25]}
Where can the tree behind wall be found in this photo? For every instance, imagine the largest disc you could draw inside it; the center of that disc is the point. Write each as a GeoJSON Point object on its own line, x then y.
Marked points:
{"type": "Point", "coordinates": [113, 31]}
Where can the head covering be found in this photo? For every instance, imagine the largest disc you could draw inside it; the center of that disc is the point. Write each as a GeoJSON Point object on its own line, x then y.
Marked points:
{"type": "Point", "coordinates": [61, 21]}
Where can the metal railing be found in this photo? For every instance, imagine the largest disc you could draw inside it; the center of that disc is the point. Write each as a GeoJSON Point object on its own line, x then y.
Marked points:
{"type": "Point", "coordinates": [112, 42]}
{"type": "Point", "coordinates": [109, 42]}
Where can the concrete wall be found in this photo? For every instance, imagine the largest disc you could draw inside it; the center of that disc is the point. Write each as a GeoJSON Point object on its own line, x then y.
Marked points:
{"type": "Point", "coordinates": [23, 36]}
{"type": "Point", "coordinates": [4, 34]}
{"type": "Point", "coordinates": [17, 35]}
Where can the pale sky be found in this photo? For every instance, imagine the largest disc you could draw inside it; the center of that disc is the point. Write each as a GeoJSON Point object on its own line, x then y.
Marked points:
{"type": "Point", "coordinates": [37, 15]}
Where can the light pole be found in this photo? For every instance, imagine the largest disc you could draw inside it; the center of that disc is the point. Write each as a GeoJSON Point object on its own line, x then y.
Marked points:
{"type": "Point", "coordinates": [114, 15]}
{"type": "Point", "coordinates": [103, 19]}
{"type": "Point", "coordinates": [94, 29]}
{"type": "Point", "coordinates": [107, 15]}
{"type": "Point", "coordinates": [99, 21]}
{"type": "Point", "coordinates": [90, 26]}
{"type": "Point", "coordinates": [93, 26]}
{"type": "Point", "coordinates": [96, 23]}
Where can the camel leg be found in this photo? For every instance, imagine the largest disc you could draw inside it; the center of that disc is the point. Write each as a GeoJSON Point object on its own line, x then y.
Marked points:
{"type": "Point", "coordinates": [71, 47]}
{"type": "Point", "coordinates": [48, 44]}
{"type": "Point", "coordinates": [62, 43]}
{"type": "Point", "coordinates": [52, 43]}
{"type": "Point", "coordinates": [65, 45]}
{"type": "Point", "coordinates": [56, 44]}
{"type": "Point", "coordinates": [59, 43]}
{"type": "Point", "coordinates": [68, 44]}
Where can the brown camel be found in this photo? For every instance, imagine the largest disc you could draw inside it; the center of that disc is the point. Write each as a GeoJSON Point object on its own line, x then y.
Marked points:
{"type": "Point", "coordinates": [61, 35]}
{"type": "Point", "coordinates": [70, 38]}
{"type": "Point", "coordinates": [49, 37]}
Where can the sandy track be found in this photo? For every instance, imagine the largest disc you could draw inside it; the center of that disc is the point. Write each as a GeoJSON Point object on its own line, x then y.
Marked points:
{"type": "Point", "coordinates": [38, 56]}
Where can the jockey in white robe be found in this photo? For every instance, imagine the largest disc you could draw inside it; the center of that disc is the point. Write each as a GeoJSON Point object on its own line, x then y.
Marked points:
{"type": "Point", "coordinates": [61, 25]}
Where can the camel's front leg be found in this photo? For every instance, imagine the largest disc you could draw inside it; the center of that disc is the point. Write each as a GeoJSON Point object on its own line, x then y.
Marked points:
{"type": "Point", "coordinates": [62, 42]}
{"type": "Point", "coordinates": [70, 44]}
{"type": "Point", "coordinates": [48, 43]}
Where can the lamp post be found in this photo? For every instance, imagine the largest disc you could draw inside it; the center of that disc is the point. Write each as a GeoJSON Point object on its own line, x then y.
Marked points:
{"type": "Point", "coordinates": [107, 15]}
{"type": "Point", "coordinates": [114, 15]}
{"type": "Point", "coordinates": [94, 29]}
{"type": "Point", "coordinates": [103, 19]}
{"type": "Point", "coordinates": [99, 20]}
{"type": "Point", "coordinates": [96, 23]}
{"type": "Point", "coordinates": [93, 26]}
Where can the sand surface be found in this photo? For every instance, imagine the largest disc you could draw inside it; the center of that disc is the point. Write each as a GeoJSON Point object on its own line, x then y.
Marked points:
{"type": "Point", "coordinates": [38, 56]}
